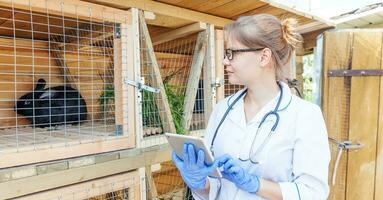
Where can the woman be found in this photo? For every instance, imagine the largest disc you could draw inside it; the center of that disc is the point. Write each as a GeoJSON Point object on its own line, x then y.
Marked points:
{"type": "Point", "coordinates": [269, 143]}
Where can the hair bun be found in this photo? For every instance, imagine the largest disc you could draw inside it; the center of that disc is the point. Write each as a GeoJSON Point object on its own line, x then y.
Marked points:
{"type": "Point", "coordinates": [290, 33]}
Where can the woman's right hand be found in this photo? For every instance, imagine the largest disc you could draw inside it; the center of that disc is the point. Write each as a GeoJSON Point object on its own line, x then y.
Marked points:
{"type": "Point", "coordinates": [192, 167]}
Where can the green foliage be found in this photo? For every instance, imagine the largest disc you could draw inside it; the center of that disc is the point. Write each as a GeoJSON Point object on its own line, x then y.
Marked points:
{"type": "Point", "coordinates": [106, 95]}
{"type": "Point", "coordinates": [176, 102]}
{"type": "Point", "coordinates": [150, 113]}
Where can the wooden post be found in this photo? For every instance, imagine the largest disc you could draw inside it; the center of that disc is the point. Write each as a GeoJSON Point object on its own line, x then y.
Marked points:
{"type": "Point", "coordinates": [364, 104]}
{"type": "Point", "coordinates": [192, 85]}
{"type": "Point", "coordinates": [335, 96]}
{"type": "Point", "coordinates": [219, 68]}
{"type": "Point", "coordinates": [162, 103]}
{"type": "Point", "coordinates": [209, 73]}
{"type": "Point", "coordinates": [152, 193]}
{"type": "Point", "coordinates": [379, 156]}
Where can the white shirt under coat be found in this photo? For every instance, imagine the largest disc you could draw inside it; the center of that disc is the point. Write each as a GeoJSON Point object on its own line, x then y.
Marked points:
{"type": "Point", "coordinates": [296, 157]}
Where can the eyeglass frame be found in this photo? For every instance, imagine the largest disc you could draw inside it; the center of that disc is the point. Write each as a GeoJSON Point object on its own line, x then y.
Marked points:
{"type": "Point", "coordinates": [233, 51]}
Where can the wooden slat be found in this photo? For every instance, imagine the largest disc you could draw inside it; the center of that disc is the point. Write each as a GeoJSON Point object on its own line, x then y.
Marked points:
{"type": "Point", "coordinates": [236, 7]}
{"type": "Point", "coordinates": [219, 68]}
{"type": "Point", "coordinates": [379, 153]}
{"type": "Point", "coordinates": [71, 8]}
{"type": "Point", "coordinates": [337, 55]}
{"type": "Point", "coordinates": [132, 161]}
{"type": "Point", "coordinates": [208, 73]}
{"type": "Point", "coordinates": [364, 105]}
{"type": "Point", "coordinates": [179, 33]}
{"type": "Point", "coordinates": [93, 188]}
{"type": "Point", "coordinates": [162, 103]}
{"type": "Point", "coordinates": [193, 79]}
{"type": "Point", "coordinates": [165, 9]}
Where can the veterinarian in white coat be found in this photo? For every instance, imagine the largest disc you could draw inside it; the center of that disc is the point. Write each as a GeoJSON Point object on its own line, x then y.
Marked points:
{"type": "Point", "coordinates": [269, 143]}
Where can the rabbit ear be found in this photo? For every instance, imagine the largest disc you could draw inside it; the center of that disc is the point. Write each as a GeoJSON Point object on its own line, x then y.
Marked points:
{"type": "Point", "coordinates": [49, 94]}
{"type": "Point", "coordinates": [40, 84]}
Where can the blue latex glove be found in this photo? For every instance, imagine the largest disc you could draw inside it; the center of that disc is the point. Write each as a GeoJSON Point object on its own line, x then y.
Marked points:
{"type": "Point", "coordinates": [233, 172]}
{"type": "Point", "coordinates": [192, 167]}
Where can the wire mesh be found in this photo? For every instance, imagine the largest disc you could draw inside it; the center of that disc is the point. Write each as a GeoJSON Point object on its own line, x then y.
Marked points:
{"type": "Point", "coordinates": [169, 184]}
{"type": "Point", "coordinates": [56, 77]}
{"type": "Point", "coordinates": [121, 189]}
{"type": "Point", "coordinates": [174, 59]}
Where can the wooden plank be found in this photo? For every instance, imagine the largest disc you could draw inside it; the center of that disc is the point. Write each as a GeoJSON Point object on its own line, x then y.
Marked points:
{"type": "Point", "coordinates": [209, 73]}
{"type": "Point", "coordinates": [219, 68]}
{"type": "Point", "coordinates": [193, 79]}
{"type": "Point", "coordinates": [165, 9]}
{"type": "Point", "coordinates": [152, 186]}
{"type": "Point", "coordinates": [134, 75]}
{"type": "Point", "coordinates": [131, 161]}
{"type": "Point", "coordinates": [364, 105]}
{"type": "Point", "coordinates": [162, 103]}
{"type": "Point", "coordinates": [130, 94]}
{"type": "Point", "coordinates": [179, 33]}
{"type": "Point", "coordinates": [71, 8]}
{"type": "Point", "coordinates": [337, 55]}
{"type": "Point", "coordinates": [379, 153]}
{"type": "Point", "coordinates": [13, 158]}
{"type": "Point", "coordinates": [118, 82]}
{"type": "Point", "coordinates": [93, 188]}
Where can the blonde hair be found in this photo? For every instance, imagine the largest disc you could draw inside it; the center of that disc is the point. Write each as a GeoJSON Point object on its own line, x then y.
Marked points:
{"type": "Point", "coordinates": [264, 30]}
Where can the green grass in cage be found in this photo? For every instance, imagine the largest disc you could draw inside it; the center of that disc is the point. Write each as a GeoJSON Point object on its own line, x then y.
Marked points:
{"type": "Point", "coordinates": [176, 102]}
{"type": "Point", "coordinates": [150, 114]}
{"type": "Point", "coordinates": [106, 96]}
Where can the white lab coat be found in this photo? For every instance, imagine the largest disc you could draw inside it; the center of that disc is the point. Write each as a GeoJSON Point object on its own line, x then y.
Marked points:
{"type": "Point", "coordinates": [296, 157]}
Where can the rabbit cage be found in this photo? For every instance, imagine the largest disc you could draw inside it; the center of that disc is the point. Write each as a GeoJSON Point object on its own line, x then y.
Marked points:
{"type": "Point", "coordinates": [61, 69]}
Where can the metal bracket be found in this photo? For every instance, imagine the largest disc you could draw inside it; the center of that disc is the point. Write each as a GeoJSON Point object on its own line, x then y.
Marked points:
{"type": "Point", "coordinates": [355, 72]}
{"type": "Point", "coordinates": [342, 145]}
{"type": "Point", "coordinates": [217, 83]}
{"type": "Point", "coordinates": [141, 86]}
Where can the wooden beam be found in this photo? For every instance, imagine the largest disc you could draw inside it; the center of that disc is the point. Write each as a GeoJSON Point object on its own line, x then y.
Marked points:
{"type": "Point", "coordinates": [134, 159]}
{"type": "Point", "coordinates": [193, 79]}
{"type": "Point", "coordinates": [379, 157]}
{"type": "Point", "coordinates": [93, 188]}
{"type": "Point", "coordinates": [219, 68]}
{"type": "Point", "coordinates": [367, 52]}
{"type": "Point", "coordinates": [162, 103]}
{"type": "Point", "coordinates": [209, 73]}
{"type": "Point", "coordinates": [179, 33]}
{"type": "Point", "coordinates": [166, 9]}
{"type": "Point", "coordinates": [152, 190]}
{"type": "Point", "coordinates": [71, 8]}
{"type": "Point", "coordinates": [60, 151]}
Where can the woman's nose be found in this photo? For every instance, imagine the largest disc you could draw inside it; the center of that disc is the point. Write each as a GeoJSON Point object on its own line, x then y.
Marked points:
{"type": "Point", "coordinates": [225, 61]}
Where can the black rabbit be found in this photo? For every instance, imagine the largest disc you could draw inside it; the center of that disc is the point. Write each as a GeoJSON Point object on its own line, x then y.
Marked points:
{"type": "Point", "coordinates": [52, 106]}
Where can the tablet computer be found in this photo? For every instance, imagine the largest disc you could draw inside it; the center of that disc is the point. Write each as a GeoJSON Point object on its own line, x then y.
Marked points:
{"type": "Point", "coordinates": [177, 141]}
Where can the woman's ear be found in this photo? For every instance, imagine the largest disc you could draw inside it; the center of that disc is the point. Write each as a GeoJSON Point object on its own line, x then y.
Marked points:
{"type": "Point", "coordinates": [265, 57]}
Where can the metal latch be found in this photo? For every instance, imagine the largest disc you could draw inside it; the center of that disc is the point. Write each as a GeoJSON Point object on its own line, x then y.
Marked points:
{"type": "Point", "coordinates": [217, 83]}
{"type": "Point", "coordinates": [342, 145]}
{"type": "Point", "coordinates": [141, 86]}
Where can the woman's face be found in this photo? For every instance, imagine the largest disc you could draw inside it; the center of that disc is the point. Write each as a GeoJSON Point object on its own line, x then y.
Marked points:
{"type": "Point", "coordinates": [244, 68]}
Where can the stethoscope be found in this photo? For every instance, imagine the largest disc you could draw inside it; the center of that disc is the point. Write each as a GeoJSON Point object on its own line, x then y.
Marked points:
{"type": "Point", "coordinates": [265, 117]}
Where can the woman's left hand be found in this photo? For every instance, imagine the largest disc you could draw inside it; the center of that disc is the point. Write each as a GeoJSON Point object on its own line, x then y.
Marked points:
{"type": "Point", "coordinates": [233, 172]}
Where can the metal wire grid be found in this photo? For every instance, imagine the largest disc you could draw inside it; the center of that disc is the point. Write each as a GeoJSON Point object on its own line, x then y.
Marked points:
{"type": "Point", "coordinates": [63, 51]}
{"type": "Point", "coordinates": [174, 59]}
{"type": "Point", "coordinates": [169, 183]}
{"type": "Point", "coordinates": [118, 190]}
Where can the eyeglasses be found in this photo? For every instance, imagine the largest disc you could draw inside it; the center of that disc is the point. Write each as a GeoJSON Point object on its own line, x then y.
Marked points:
{"type": "Point", "coordinates": [229, 53]}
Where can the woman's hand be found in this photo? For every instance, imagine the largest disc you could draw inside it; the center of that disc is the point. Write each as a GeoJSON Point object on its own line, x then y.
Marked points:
{"type": "Point", "coordinates": [192, 167]}
{"type": "Point", "coordinates": [233, 172]}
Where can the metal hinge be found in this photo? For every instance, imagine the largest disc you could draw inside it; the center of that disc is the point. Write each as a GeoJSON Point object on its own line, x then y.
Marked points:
{"type": "Point", "coordinates": [217, 83]}
{"type": "Point", "coordinates": [140, 86]}
{"type": "Point", "coordinates": [355, 72]}
{"type": "Point", "coordinates": [342, 145]}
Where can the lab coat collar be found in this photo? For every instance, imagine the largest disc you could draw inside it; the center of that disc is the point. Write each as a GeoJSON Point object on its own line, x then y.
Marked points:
{"type": "Point", "coordinates": [237, 114]}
